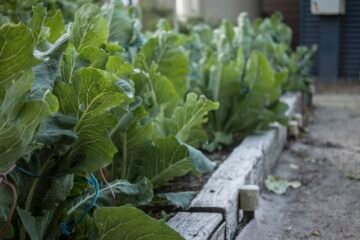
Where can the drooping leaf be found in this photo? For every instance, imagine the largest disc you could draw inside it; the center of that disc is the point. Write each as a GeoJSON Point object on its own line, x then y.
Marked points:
{"type": "Point", "coordinates": [20, 118]}
{"type": "Point", "coordinates": [130, 223]}
{"type": "Point", "coordinates": [201, 163]}
{"type": "Point", "coordinates": [179, 199]}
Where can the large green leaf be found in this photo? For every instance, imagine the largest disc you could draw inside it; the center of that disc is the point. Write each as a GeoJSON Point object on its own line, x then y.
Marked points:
{"type": "Point", "coordinates": [20, 118]}
{"type": "Point", "coordinates": [166, 160]}
{"type": "Point", "coordinates": [132, 224]}
{"type": "Point", "coordinates": [179, 199]}
{"type": "Point", "coordinates": [157, 91]}
{"type": "Point", "coordinates": [89, 28]}
{"type": "Point", "coordinates": [89, 97]}
{"type": "Point", "coordinates": [17, 46]}
{"type": "Point", "coordinates": [166, 51]}
{"type": "Point", "coordinates": [119, 21]}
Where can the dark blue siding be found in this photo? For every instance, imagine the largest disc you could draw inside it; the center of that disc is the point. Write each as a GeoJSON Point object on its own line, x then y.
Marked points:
{"type": "Point", "coordinates": [350, 41]}
{"type": "Point", "coordinates": [349, 37]}
{"type": "Point", "coordinates": [309, 30]}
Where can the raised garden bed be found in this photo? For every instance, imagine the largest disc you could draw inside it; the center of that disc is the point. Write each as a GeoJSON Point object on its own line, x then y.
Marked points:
{"type": "Point", "coordinates": [214, 212]}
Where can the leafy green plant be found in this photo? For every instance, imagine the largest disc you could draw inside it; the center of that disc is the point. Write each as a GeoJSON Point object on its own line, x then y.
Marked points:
{"type": "Point", "coordinates": [229, 68]}
{"type": "Point", "coordinates": [78, 110]}
{"type": "Point", "coordinates": [85, 95]}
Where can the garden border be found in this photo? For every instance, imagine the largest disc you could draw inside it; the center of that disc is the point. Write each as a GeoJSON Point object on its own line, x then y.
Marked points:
{"type": "Point", "coordinates": [214, 213]}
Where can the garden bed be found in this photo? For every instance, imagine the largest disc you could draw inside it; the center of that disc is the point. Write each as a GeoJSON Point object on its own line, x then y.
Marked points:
{"type": "Point", "coordinates": [214, 212]}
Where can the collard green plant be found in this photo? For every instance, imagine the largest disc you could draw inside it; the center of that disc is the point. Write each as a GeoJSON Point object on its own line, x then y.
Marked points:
{"type": "Point", "coordinates": [75, 109]}
{"type": "Point", "coordinates": [85, 95]}
{"type": "Point", "coordinates": [229, 68]}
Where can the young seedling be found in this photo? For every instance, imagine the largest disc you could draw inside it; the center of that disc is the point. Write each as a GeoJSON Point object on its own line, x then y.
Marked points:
{"type": "Point", "coordinates": [249, 201]}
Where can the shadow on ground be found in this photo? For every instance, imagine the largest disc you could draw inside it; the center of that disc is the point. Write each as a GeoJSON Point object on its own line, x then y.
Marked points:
{"type": "Point", "coordinates": [327, 205]}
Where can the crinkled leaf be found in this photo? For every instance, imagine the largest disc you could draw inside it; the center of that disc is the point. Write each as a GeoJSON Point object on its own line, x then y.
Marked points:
{"type": "Point", "coordinates": [187, 121]}
{"type": "Point", "coordinates": [130, 223]}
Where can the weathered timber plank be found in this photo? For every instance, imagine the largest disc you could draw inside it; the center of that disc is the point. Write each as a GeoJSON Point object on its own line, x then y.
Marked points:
{"type": "Point", "coordinates": [220, 233]}
{"type": "Point", "coordinates": [246, 165]}
{"type": "Point", "coordinates": [198, 225]}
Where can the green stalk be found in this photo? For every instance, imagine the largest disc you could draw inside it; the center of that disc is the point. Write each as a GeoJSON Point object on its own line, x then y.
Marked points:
{"type": "Point", "coordinates": [124, 157]}
{"type": "Point", "coordinates": [30, 197]}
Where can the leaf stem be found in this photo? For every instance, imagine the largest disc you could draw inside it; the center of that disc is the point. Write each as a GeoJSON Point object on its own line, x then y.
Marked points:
{"type": "Point", "coordinates": [124, 157]}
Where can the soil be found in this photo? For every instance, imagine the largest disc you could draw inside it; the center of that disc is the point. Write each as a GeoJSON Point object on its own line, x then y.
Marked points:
{"type": "Point", "coordinates": [327, 163]}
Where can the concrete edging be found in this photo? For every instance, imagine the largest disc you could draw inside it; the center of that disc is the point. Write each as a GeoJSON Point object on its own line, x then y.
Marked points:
{"type": "Point", "coordinates": [214, 213]}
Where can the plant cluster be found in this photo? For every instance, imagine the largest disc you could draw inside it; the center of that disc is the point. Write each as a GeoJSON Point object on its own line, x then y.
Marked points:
{"type": "Point", "coordinates": [246, 67]}
{"type": "Point", "coordinates": [95, 115]}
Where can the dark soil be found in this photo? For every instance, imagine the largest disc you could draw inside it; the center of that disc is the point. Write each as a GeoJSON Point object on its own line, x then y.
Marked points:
{"type": "Point", "coordinates": [327, 163]}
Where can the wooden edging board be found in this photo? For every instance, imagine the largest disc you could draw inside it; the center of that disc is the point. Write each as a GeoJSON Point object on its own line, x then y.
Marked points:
{"type": "Point", "coordinates": [214, 213]}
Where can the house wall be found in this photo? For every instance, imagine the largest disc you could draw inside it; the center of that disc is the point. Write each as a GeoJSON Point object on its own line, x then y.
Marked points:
{"type": "Point", "coordinates": [215, 10]}
{"type": "Point", "coordinates": [291, 12]}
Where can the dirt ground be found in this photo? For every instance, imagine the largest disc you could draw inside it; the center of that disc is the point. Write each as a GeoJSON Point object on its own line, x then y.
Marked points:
{"type": "Point", "coordinates": [327, 163]}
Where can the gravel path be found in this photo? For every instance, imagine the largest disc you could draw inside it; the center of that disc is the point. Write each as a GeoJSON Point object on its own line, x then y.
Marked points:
{"type": "Point", "coordinates": [327, 163]}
